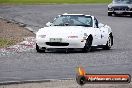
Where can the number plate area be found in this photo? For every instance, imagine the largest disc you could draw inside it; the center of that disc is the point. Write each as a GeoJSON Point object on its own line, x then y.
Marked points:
{"type": "Point", "coordinates": [119, 12]}
{"type": "Point", "coordinates": [55, 39]}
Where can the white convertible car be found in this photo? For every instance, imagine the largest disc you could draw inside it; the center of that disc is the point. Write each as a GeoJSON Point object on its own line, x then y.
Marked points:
{"type": "Point", "coordinates": [70, 31]}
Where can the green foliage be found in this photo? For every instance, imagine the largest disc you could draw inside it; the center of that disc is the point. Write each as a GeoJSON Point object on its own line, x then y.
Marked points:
{"type": "Point", "coordinates": [5, 42]}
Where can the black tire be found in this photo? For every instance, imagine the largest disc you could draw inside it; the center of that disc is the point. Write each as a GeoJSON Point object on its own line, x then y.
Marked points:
{"type": "Point", "coordinates": [87, 47]}
{"type": "Point", "coordinates": [38, 49]}
{"type": "Point", "coordinates": [81, 80]}
{"type": "Point", "coordinates": [109, 43]}
{"type": "Point", "coordinates": [109, 14]}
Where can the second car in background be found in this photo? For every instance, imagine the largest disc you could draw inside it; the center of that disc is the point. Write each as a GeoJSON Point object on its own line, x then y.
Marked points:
{"type": "Point", "coordinates": [120, 7]}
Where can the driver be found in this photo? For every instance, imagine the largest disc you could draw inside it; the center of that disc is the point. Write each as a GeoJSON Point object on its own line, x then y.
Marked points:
{"type": "Point", "coordinates": [67, 21]}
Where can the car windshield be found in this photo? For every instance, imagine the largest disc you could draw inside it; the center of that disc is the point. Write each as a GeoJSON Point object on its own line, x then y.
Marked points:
{"type": "Point", "coordinates": [73, 20]}
{"type": "Point", "coordinates": [122, 1]}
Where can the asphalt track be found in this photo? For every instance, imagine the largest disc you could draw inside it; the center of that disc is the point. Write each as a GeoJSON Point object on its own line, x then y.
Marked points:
{"type": "Point", "coordinates": [29, 65]}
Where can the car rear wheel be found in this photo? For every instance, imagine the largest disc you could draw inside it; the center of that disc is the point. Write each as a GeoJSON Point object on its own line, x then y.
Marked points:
{"type": "Point", "coordinates": [87, 47]}
{"type": "Point", "coordinates": [38, 49]}
{"type": "Point", "coordinates": [109, 44]}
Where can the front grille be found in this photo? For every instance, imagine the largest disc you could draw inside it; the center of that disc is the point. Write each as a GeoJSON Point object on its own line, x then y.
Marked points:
{"type": "Point", "coordinates": [56, 44]}
{"type": "Point", "coordinates": [121, 8]}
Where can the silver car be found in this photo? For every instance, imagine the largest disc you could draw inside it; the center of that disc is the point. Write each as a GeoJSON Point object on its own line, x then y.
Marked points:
{"type": "Point", "coordinates": [120, 7]}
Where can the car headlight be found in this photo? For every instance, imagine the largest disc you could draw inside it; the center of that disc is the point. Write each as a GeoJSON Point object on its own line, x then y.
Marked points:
{"type": "Point", "coordinates": [110, 9]}
{"type": "Point", "coordinates": [41, 36]}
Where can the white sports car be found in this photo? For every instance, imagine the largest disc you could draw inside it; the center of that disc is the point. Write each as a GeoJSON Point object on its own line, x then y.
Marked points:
{"type": "Point", "coordinates": [70, 31]}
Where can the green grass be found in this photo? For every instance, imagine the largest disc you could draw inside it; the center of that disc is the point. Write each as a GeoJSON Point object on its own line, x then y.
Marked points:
{"type": "Point", "coordinates": [52, 1]}
{"type": "Point", "coordinates": [5, 42]}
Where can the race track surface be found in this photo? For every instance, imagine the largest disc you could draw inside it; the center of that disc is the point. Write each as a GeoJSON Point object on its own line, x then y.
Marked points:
{"type": "Point", "coordinates": [30, 65]}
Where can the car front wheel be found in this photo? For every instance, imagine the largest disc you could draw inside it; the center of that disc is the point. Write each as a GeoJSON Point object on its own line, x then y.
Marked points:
{"type": "Point", "coordinates": [87, 47]}
{"type": "Point", "coordinates": [38, 49]}
{"type": "Point", "coordinates": [109, 44]}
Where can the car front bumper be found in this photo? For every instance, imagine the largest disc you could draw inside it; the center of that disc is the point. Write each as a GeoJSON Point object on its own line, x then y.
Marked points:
{"type": "Point", "coordinates": [121, 12]}
{"type": "Point", "coordinates": [65, 43]}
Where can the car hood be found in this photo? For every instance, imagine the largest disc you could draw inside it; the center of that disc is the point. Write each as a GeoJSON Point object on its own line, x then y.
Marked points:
{"type": "Point", "coordinates": [112, 5]}
{"type": "Point", "coordinates": [58, 31]}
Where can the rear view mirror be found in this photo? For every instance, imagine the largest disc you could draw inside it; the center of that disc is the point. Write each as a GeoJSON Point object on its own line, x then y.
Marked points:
{"type": "Point", "coordinates": [48, 24]}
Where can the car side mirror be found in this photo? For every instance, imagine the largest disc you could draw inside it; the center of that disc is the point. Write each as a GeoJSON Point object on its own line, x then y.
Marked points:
{"type": "Point", "coordinates": [48, 24]}
{"type": "Point", "coordinates": [101, 25]}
